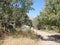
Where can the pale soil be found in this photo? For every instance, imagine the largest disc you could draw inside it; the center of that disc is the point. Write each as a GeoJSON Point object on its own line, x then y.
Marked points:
{"type": "Point", "coordinates": [49, 43]}
{"type": "Point", "coordinates": [43, 33]}
{"type": "Point", "coordinates": [28, 41]}
{"type": "Point", "coordinates": [20, 41]}
{"type": "Point", "coordinates": [45, 36]}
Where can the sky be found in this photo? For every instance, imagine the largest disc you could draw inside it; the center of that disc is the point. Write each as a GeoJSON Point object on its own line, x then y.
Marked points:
{"type": "Point", "coordinates": [38, 5]}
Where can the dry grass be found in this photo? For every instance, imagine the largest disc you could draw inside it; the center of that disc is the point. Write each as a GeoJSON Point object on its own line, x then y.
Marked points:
{"type": "Point", "coordinates": [20, 38]}
{"type": "Point", "coordinates": [20, 41]}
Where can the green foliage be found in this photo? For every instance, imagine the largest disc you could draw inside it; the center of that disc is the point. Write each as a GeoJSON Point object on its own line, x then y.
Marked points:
{"type": "Point", "coordinates": [26, 5]}
{"type": "Point", "coordinates": [51, 14]}
{"type": "Point", "coordinates": [17, 15]}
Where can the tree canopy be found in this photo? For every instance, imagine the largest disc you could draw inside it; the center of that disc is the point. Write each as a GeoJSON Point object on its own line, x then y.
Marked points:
{"type": "Point", "coordinates": [10, 10]}
{"type": "Point", "coordinates": [51, 13]}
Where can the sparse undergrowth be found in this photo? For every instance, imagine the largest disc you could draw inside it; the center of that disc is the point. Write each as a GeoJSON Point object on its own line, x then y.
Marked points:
{"type": "Point", "coordinates": [22, 36]}
{"type": "Point", "coordinates": [26, 33]}
{"type": "Point", "coordinates": [20, 41]}
{"type": "Point", "coordinates": [21, 33]}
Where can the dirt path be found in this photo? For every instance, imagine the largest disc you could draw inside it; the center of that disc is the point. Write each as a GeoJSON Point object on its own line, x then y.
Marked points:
{"type": "Point", "coordinates": [43, 34]}
{"type": "Point", "coordinates": [48, 38]}
{"type": "Point", "coordinates": [49, 43]}
{"type": "Point", "coordinates": [27, 41]}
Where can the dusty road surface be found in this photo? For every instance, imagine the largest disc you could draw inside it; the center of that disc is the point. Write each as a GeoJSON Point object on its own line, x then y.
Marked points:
{"type": "Point", "coordinates": [27, 41]}
{"type": "Point", "coordinates": [49, 43]}
{"type": "Point", "coordinates": [45, 35]}
{"type": "Point", "coordinates": [48, 38]}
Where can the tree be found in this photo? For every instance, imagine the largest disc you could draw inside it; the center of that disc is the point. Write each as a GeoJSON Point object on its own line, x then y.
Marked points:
{"type": "Point", "coordinates": [10, 13]}
{"type": "Point", "coordinates": [22, 11]}
{"type": "Point", "coordinates": [51, 14]}
{"type": "Point", "coordinates": [54, 7]}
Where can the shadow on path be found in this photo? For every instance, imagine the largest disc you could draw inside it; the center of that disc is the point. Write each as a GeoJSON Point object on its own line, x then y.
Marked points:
{"type": "Point", "coordinates": [55, 38]}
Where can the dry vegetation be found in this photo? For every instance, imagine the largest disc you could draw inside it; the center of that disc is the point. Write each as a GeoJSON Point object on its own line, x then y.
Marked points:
{"type": "Point", "coordinates": [20, 41]}
{"type": "Point", "coordinates": [21, 37]}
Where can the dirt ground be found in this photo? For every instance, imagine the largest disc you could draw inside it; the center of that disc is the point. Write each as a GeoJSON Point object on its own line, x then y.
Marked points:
{"type": "Point", "coordinates": [20, 41]}
{"type": "Point", "coordinates": [26, 41]}
{"type": "Point", "coordinates": [48, 39]}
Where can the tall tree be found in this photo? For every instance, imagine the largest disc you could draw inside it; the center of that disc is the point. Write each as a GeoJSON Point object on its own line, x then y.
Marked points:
{"type": "Point", "coordinates": [10, 10]}
{"type": "Point", "coordinates": [25, 6]}
{"type": "Point", "coordinates": [51, 14]}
